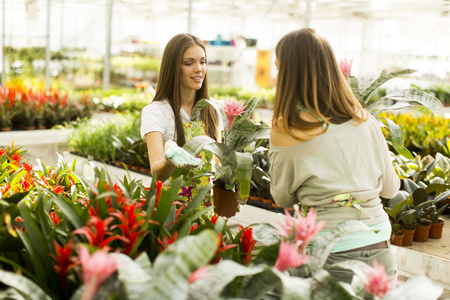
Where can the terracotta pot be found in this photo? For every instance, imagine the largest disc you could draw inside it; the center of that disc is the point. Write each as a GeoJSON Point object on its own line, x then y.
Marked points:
{"type": "Point", "coordinates": [225, 202]}
{"type": "Point", "coordinates": [421, 233]}
{"type": "Point", "coordinates": [254, 198]}
{"type": "Point", "coordinates": [436, 230]}
{"type": "Point", "coordinates": [26, 127]}
{"type": "Point", "coordinates": [408, 238]}
{"type": "Point", "coordinates": [267, 201]}
{"type": "Point", "coordinates": [397, 239]}
{"type": "Point", "coordinates": [5, 129]}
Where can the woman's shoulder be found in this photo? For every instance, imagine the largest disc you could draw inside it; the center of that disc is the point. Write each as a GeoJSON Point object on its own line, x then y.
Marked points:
{"type": "Point", "coordinates": [157, 106]}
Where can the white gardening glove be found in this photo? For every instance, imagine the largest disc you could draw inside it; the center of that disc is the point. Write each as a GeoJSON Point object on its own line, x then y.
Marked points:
{"type": "Point", "coordinates": [180, 158]}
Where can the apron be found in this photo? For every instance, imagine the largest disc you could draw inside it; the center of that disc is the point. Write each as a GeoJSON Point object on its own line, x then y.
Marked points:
{"type": "Point", "coordinates": [192, 186]}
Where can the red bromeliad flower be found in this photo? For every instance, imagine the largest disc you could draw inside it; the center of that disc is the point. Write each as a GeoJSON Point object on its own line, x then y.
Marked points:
{"type": "Point", "coordinates": [214, 218]}
{"type": "Point", "coordinates": [167, 241]}
{"type": "Point", "coordinates": [96, 269]}
{"type": "Point", "coordinates": [232, 109]}
{"type": "Point", "coordinates": [247, 242]}
{"type": "Point", "coordinates": [130, 224]}
{"type": "Point", "coordinates": [55, 218]}
{"type": "Point", "coordinates": [3, 151]}
{"type": "Point", "coordinates": [221, 249]}
{"type": "Point", "coordinates": [98, 237]}
{"type": "Point", "coordinates": [159, 185]}
{"type": "Point", "coordinates": [200, 273]}
{"type": "Point", "coordinates": [63, 262]}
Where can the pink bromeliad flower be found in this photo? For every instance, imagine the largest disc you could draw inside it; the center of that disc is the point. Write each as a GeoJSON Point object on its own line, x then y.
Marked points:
{"type": "Point", "coordinates": [96, 269]}
{"type": "Point", "coordinates": [289, 257]}
{"type": "Point", "coordinates": [301, 229]}
{"type": "Point", "coordinates": [376, 281]}
{"type": "Point", "coordinates": [346, 66]}
{"type": "Point", "coordinates": [232, 109]}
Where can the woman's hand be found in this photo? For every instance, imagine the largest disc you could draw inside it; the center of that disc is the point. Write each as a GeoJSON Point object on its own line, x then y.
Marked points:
{"type": "Point", "coordinates": [180, 158]}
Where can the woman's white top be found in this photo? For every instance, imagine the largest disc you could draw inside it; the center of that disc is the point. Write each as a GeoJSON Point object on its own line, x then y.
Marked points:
{"type": "Point", "coordinates": [158, 116]}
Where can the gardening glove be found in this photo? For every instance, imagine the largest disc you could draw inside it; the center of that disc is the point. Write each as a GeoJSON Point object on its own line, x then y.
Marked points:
{"type": "Point", "coordinates": [180, 158]}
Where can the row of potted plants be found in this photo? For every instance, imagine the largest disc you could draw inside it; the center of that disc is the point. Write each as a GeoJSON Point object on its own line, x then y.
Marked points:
{"type": "Point", "coordinates": [66, 237]}
{"type": "Point", "coordinates": [30, 108]}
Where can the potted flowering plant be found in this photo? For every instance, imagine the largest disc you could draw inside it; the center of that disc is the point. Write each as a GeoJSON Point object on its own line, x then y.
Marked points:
{"type": "Point", "coordinates": [7, 107]}
{"type": "Point", "coordinates": [241, 138]}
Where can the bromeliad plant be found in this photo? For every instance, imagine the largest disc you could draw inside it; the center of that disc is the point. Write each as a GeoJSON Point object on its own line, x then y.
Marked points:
{"type": "Point", "coordinates": [241, 138]}
{"type": "Point", "coordinates": [365, 84]}
{"type": "Point", "coordinates": [65, 237]}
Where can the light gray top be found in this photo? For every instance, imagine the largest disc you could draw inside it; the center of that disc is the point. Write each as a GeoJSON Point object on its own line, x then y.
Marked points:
{"type": "Point", "coordinates": [348, 158]}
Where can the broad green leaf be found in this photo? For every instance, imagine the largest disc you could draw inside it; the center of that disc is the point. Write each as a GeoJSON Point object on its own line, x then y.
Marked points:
{"type": "Point", "coordinates": [196, 144]}
{"type": "Point", "coordinates": [70, 211]}
{"type": "Point", "coordinates": [259, 284]}
{"type": "Point", "coordinates": [294, 288]}
{"type": "Point", "coordinates": [321, 248]}
{"type": "Point", "coordinates": [219, 276]}
{"type": "Point", "coordinates": [415, 95]}
{"type": "Point", "coordinates": [173, 266]}
{"type": "Point", "coordinates": [366, 79]}
{"type": "Point", "coordinates": [24, 285]}
{"type": "Point", "coordinates": [266, 233]}
{"type": "Point", "coordinates": [417, 288]}
{"type": "Point", "coordinates": [135, 279]}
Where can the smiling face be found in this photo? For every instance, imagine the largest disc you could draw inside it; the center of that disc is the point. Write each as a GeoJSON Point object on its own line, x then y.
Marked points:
{"type": "Point", "coordinates": [193, 69]}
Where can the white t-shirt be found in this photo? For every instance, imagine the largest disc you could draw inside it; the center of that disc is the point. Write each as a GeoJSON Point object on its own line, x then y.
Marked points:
{"type": "Point", "coordinates": [158, 116]}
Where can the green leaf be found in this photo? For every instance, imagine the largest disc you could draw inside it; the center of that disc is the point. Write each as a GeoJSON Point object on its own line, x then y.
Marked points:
{"type": "Point", "coordinates": [70, 211]}
{"type": "Point", "coordinates": [24, 285]}
{"type": "Point", "coordinates": [323, 245]}
{"type": "Point", "coordinates": [196, 144]}
{"type": "Point", "coordinates": [172, 267]}
{"type": "Point", "coordinates": [418, 96]}
{"type": "Point", "coordinates": [219, 276]}
{"type": "Point", "coordinates": [396, 133]}
{"type": "Point", "coordinates": [258, 285]}
{"type": "Point", "coordinates": [417, 288]}
{"type": "Point", "coordinates": [133, 275]}
{"type": "Point", "coordinates": [266, 233]}
{"type": "Point", "coordinates": [244, 172]}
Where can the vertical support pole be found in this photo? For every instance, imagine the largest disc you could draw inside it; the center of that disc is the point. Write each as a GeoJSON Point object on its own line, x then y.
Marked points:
{"type": "Point", "coordinates": [190, 17]}
{"type": "Point", "coordinates": [3, 45]}
{"type": "Point", "coordinates": [47, 49]}
{"type": "Point", "coordinates": [107, 58]}
{"type": "Point", "coordinates": [308, 14]}
{"type": "Point", "coordinates": [62, 26]}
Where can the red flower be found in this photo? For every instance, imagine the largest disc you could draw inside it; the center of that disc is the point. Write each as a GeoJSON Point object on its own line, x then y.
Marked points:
{"type": "Point", "coordinates": [98, 237]}
{"type": "Point", "coordinates": [200, 273]}
{"type": "Point", "coordinates": [63, 262]}
{"type": "Point", "coordinates": [167, 241]}
{"type": "Point", "coordinates": [159, 185]}
{"type": "Point", "coordinates": [130, 224]}
{"type": "Point", "coordinates": [214, 218]}
{"type": "Point", "coordinates": [55, 218]}
{"type": "Point", "coordinates": [221, 249]}
{"type": "Point", "coordinates": [247, 242]}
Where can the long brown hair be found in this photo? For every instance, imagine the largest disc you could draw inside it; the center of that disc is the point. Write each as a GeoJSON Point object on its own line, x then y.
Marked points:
{"type": "Point", "coordinates": [168, 87]}
{"type": "Point", "coordinates": [309, 77]}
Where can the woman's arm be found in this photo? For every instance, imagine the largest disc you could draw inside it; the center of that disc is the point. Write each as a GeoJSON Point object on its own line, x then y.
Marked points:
{"type": "Point", "coordinates": [159, 166]}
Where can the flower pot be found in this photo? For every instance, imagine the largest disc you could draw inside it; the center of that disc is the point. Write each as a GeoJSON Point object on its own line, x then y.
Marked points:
{"type": "Point", "coordinates": [267, 201]}
{"type": "Point", "coordinates": [408, 237]}
{"type": "Point", "coordinates": [225, 202]}
{"type": "Point", "coordinates": [5, 128]}
{"type": "Point", "coordinates": [436, 230]}
{"type": "Point", "coordinates": [397, 239]}
{"type": "Point", "coordinates": [255, 198]}
{"type": "Point", "coordinates": [24, 127]}
{"type": "Point", "coordinates": [421, 233]}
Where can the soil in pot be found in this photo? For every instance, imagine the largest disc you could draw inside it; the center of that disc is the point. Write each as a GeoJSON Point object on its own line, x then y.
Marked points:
{"type": "Point", "coordinates": [436, 230]}
{"type": "Point", "coordinates": [421, 233]}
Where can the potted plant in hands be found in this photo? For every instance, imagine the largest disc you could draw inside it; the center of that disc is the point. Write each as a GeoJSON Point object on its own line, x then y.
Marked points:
{"type": "Point", "coordinates": [241, 138]}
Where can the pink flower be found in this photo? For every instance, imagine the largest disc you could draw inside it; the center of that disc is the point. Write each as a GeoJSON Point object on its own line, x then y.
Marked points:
{"type": "Point", "coordinates": [232, 109]}
{"type": "Point", "coordinates": [198, 274]}
{"type": "Point", "coordinates": [301, 230]}
{"type": "Point", "coordinates": [289, 257]}
{"type": "Point", "coordinates": [96, 269]}
{"type": "Point", "coordinates": [376, 281]}
{"type": "Point", "coordinates": [346, 66]}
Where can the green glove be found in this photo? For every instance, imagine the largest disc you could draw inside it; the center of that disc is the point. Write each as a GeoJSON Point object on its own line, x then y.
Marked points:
{"type": "Point", "coordinates": [177, 156]}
